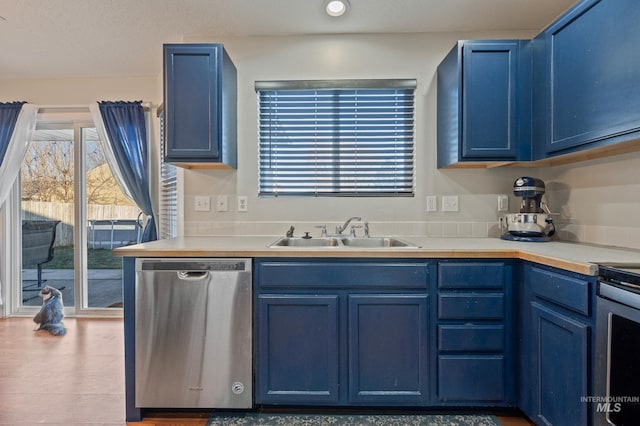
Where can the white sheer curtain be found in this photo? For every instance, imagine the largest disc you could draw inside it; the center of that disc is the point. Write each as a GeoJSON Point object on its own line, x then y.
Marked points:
{"type": "Point", "coordinates": [16, 151]}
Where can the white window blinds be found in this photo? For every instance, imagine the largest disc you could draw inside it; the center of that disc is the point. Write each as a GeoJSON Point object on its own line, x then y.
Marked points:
{"type": "Point", "coordinates": [336, 138]}
{"type": "Point", "coordinates": [168, 215]}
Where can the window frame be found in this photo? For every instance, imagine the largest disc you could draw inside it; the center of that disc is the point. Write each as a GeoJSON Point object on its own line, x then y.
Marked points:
{"type": "Point", "coordinates": [345, 118]}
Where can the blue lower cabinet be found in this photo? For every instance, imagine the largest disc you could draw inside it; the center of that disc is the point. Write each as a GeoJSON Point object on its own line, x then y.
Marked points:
{"type": "Point", "coordinates": [298, 350]}
{"type": "Point", "coordinates": [300, 355]}
{"type": "Point", "coordinates": [475, 352]}
{"type": "Point", "coordinates": [525, 348]}
{"type": "Point", "coordinates": [472, 378]}
{"type": "Point", "coordinates": [556, 328]}
{"type": "Point", "coordinates": [338, 333]}
{"type": "Point", "coordinates": [560, 368]}
{"type": "Point", "coordinates": [415, 333]}
{"type": "Point", "coordinates": [388, 349]}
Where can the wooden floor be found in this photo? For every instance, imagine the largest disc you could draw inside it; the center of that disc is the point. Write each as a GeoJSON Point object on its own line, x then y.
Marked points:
{"type": "Point", "coordinates": [77, 379]}
{"type": "Point", "coordinates": [72, 380]}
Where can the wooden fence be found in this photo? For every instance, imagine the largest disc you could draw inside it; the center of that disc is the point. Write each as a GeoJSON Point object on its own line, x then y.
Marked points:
{"type": "Point", "coordinates": [64, 212]}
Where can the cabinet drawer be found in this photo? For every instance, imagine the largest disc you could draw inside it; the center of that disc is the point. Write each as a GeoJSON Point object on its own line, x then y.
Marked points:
{"type": "Point", "coordinates": [471, 275]}
{"type": "Point", "coordinates": [569, 292]}
{"type": "Point", "coordinates": [470, 306]}
{"type": "Point", "coordinates": [342, 274]}
{"type": "Point", "coordinates": [469, 337]}
{"type": "Point", "coordinates": [471, 378]}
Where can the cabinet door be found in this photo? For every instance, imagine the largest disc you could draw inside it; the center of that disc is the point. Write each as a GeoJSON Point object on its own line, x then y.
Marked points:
{"type": "Point", "coordinates": [593, 92]}
{"type": "Point", "coordinates": [471, 378]}
{"type": "Point", "coordinates": [525, 340]}
{"type": "Point", "coordinates": [560, 373]}
{"type": "Point", "coordinates": [489, 104]}
{"type": "Point", "coordinates": [388, 349]}
{"type": "Point", "coordinates": [297, 349]}
{"type": "Point", "coordinates": [192, 74]}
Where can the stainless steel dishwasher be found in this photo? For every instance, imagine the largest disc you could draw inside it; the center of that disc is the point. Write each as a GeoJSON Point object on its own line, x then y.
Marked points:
{"type": "Point", "coordinates": [193, 333]}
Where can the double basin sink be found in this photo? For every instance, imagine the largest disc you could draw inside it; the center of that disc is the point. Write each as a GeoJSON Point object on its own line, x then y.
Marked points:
{"type": "Point", "coordinates": [343, 241]}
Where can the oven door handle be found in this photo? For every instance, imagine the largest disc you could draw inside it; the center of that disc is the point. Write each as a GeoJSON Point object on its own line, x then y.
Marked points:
{"type": "Point", "coordinates": [617, 294]}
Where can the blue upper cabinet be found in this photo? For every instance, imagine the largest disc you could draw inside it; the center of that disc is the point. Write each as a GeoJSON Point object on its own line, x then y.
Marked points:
{"type": "Point", "coordinates": [200, 86]}
{"type": "Point", "coordinates": [587, 94]}
{"type": "Point", "coordinates": [484, 103]}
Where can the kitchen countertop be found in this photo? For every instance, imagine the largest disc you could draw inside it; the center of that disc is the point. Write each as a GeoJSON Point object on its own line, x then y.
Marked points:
{"type": "Point", "coordinates": [580, 258]}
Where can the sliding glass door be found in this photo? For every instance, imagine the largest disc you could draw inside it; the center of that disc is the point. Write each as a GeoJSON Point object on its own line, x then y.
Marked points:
{"type": "Point", "coordinates": [48, 199]}
{"type": "Point", "coordinates": [73, 214]}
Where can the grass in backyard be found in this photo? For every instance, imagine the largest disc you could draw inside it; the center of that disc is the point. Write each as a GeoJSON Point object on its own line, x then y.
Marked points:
{"type": "Point", "coordinates": [97, 259]}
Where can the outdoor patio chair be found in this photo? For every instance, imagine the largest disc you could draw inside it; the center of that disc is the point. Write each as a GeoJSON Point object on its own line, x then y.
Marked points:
{"type": "Point", "coordinates": [38, 238]}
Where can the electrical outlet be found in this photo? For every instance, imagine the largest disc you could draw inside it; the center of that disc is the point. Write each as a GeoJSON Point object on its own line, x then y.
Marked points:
{"type": "Point", "coordinates": [242, 203]}
{"type": "Point", "coordinates": [450, 203]}
{"type": "Point", "coordinates": [432, 203]}
{"type": "Point", "coordinates": [222, 203]}
{"type": "Point", "coordinates": [202, 203]}
{"type": "Point", "coordinates": [503, 203]}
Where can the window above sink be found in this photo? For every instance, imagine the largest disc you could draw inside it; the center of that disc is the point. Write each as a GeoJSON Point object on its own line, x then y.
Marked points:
{"type": "Point", "coordinates": [336, 138]}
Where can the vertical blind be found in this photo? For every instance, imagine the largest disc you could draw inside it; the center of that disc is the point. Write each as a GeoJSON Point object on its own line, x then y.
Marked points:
{"type": "Point", "coordinates": [336, 138]}
{"type": "Point", "coordinates": [168, 215]}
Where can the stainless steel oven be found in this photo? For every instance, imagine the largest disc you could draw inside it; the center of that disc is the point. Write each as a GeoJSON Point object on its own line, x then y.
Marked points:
{"type": "Point", "coordinates": [616, 399]}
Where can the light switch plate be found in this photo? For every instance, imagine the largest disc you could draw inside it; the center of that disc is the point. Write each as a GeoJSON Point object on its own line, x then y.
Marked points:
{"type": "Point", "coordinates": [202, 203]}
{"type": "Point", "coordinates": [450, 203]}
{"type": "Point", "coordinates": [432, 203]}
{"type": "Point", "coordinates": [503, 203]}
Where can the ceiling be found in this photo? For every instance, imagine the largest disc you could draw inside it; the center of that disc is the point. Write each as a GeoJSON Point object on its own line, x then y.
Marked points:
{"type": "Point", "coordinates": [122, 38]}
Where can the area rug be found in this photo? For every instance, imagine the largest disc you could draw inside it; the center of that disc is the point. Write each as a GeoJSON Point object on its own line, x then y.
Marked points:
{"type": "Point", "coordinates": [273, 419]}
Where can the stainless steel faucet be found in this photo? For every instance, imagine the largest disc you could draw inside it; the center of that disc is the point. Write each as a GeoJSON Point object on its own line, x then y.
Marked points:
{"type": "Point", "coordinates": [340, 229]}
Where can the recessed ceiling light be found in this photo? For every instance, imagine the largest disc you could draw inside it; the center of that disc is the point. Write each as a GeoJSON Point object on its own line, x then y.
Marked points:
{"type": "Point", "coordinates": [336, 8]}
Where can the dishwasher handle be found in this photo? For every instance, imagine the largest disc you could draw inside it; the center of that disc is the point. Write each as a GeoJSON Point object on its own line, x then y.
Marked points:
{"type": "Point", "coordinates": [194, 265]}
{"type": "Point", "coordinates": [192, 275]}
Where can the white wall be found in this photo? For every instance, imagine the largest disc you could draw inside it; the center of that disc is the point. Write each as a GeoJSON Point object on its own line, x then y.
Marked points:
{"type": "Point", "coordinates": [599, 199]}
{"type": "Point", "coordinates": [347, 57]}
{"type": "Point", "coordinates": [83, 91]}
